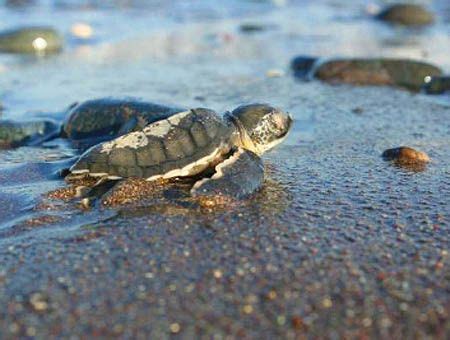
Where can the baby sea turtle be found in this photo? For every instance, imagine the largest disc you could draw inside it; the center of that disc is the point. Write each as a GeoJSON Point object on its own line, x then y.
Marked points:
{"type": "Point", "coordinates": [131, 138]}
{"type": "Point", "coordinates": [194, 142]}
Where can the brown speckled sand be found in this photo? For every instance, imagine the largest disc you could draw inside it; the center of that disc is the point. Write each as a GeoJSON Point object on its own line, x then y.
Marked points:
{"type": "Point", "coordinates": [339, 243]}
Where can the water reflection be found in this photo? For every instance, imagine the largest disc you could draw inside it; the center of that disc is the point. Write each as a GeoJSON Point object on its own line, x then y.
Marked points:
{"type": "Point", "coordinates": [177, 51]}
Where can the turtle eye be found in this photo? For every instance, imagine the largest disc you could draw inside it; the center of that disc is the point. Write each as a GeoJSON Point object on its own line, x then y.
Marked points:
{"type": "Point", "coordinates": [278, 121]}
{"type": "Point", "coordinates": [281, 124]}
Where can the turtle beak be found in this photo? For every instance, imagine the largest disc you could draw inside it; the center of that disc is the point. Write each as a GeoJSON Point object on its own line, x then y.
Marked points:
{"type": "Point", "coordinates": [288, 121]}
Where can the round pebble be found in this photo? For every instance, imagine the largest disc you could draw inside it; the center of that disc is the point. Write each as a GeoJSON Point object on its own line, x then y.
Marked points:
{"type": "Point", "coordinates": [82, 30]}
{"type": "Point", "coordinates": [405, 155]}
{"type": "Point", "coordinates": [31, 40]}
{"type": "Point", "coordinates": [175, 328]}
{"type": "Point", "coordinates": [404, 73]}
{"type": "Point", "coordinates": [407, 15]}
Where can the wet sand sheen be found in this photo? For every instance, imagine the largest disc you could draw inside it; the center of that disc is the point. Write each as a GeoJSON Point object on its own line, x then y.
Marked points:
{"type": "Point", "coordinates": [339, 242]}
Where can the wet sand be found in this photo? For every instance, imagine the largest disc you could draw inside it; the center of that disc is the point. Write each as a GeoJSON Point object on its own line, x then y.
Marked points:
{"type": "Point", "coordinates": [339, 243]}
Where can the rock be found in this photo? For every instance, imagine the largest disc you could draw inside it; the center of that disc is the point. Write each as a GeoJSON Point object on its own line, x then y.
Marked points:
{"type": "Point", "coordinates": [31, 40]}
{"type": "Point", "coordinates": [407, 15]}
{"type": "Point", "coordinates": [436, 85]}
{"type": "Point", "coordinates": [15, 134]}
{"type": "Point", "coordinates": [358, 110]}
{"type": "Point", "coordinates": [82, 31]}
{"type": "Point", "coordinates": [405, 73]}
{"type": "Point", "coordinates": [303, 65]}
{"type": "Point", "coordinates": [254, 27]}
{"type": "Point", "coordinates": [406, 156]}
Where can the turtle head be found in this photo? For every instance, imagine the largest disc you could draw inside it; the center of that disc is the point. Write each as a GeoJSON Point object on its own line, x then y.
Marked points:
{"type": "Point", "coordinates": [260, 126]}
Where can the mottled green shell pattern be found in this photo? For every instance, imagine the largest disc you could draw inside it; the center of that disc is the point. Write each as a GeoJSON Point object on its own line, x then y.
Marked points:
{"type": "Point", "coordinates": [182, 145]}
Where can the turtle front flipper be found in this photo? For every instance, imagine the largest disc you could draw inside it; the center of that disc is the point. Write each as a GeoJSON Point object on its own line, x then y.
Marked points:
{"type": "Point", "coordinates": [30, 133]}
{"type": "Point", "coordinates": [238, 177]}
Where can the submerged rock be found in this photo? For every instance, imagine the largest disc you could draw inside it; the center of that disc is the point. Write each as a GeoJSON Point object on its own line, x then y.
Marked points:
{"type": "Point", "coordinates": [437, 85]}
{"type": "Point", "coordinates": [405, 156]}
{"type": "Point", "coordinates": [409, 74]}
{"type": "Point", "coordinates": [407, 15]}
{"type": "Point", "coordinates": [14, 134]}
{"type": "Point", "coordinates": [31, 40]}
{"type": "Point", "coordinates": [303, 65]}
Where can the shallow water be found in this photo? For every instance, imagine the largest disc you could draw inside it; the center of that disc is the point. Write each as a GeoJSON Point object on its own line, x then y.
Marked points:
{"type": "Point", "coordinates": [337, 243]}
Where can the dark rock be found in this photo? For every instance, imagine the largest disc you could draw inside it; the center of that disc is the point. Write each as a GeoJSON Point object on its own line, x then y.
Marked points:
{"type": "Point", "coordinates": [255, 27]}
{"type": "Point", "coordinates": [303, 65]}
{"type": "Point", "coordinates": [98, 120]}
{"type": "Point", "coordinates": [404, 73]}
{"type": "Point", "coordinates": [31, 40]}
{"type": "Point", "coordinates": [407, 15]}
{"type": "Point", "coordinates": [436, 85]}
{"type": "Point", "coordinates": [19, 3]}
{"type": "Point", "coordinates": [358, 110]}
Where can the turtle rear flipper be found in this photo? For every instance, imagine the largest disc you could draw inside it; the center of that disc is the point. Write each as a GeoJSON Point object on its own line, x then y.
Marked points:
{"type": "Point", "coordinates": [100, 189]}
{"type": "Point", "coordinates": [28, 133]}
{"type": "Point", "coordinates": [88, 195]}
{"type": "Point", "coordinates": [238, 177]}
